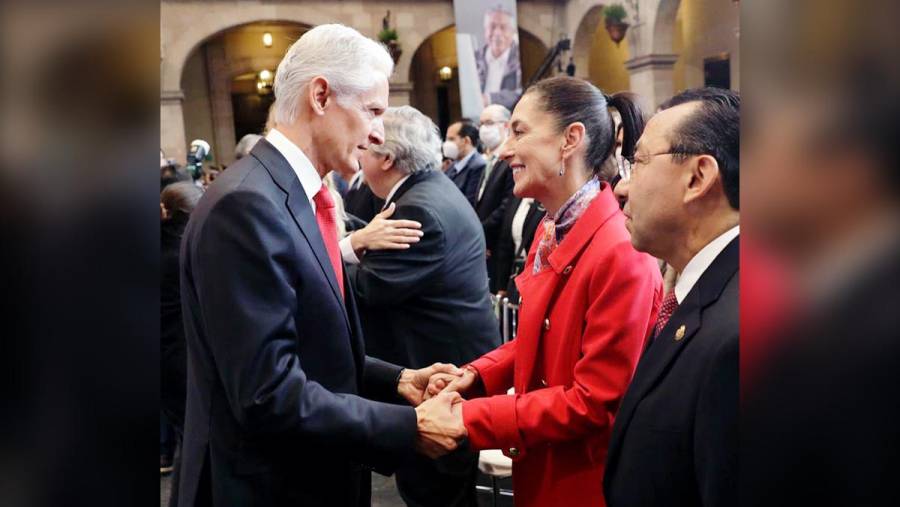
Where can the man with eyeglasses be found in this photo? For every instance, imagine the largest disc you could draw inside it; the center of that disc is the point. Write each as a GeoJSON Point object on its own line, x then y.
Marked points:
{"type": "Point", "coordinates": [675, 438]}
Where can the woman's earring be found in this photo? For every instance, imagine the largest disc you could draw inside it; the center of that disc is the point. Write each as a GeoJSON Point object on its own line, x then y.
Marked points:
{"type": "Point", "coordinates": [562, 167]}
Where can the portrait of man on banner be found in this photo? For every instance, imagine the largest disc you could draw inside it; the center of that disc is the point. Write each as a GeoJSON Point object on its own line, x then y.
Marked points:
{"type": "Point", "coordinates": [497, 60]}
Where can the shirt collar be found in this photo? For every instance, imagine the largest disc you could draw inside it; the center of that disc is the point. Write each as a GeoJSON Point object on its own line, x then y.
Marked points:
{"type": "Point", "coordinates": [489, 56]}
{"type": "Point", "coordinates": [700, 262]}
{"type": "Point", "coordinates": [394, 189]}
{"type": "Point", "coordinates": [461, 163]}
{"type": "Point", "coordinates": [306, 173]}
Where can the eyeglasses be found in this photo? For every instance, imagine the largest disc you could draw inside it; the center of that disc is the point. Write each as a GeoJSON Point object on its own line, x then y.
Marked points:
{"type": "Point", "coordinates": [627, 164]}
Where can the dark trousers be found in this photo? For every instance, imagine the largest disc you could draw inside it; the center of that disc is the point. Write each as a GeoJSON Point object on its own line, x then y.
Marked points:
{"type": "Point", "coordinates": [448, 481]}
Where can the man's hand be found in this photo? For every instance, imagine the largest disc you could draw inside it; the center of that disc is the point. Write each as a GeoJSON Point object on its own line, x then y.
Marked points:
{"type": "Point", "coordinates": [440, 424]}
{"type": "Point", "coordinates": [384, 234]}
{"type": "Point", "coordinates": [413, 382]}
{"type": "Point", "coordinates": [451, 383]}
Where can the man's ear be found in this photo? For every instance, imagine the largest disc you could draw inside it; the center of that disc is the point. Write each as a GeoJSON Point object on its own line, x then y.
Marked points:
{"type": "Point", "coordinates": [319, 95]}
{"type": "Point", "coordinates": [388, 163]}
{"type": "Point", "coordinates": [703, 177]}
{"type": "Point", "coordinates": [572, 138]}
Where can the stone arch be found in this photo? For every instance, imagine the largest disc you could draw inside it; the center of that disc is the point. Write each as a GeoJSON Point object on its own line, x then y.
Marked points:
{"type": "Point", "coordinates": [584, 33]}
{"type": "Point", "coordinates": [664, 26]}
{"type": "Point", "coordinates": [597, 58]}
{"type": "Point", "coordinates": [184, 40]}
{"type": "Point", "coordinates": [422, 69]}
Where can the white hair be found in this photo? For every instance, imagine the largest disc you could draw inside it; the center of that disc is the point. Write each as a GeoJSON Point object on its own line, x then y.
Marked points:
{"type": "Point", "coordinates": [245, 145]}
{"type": "Point", "coordinates": [351, 63]}
{"type": "Point", "coordinates": [497, 112]}
{"type": "Point", "coordinates": [411, 139]}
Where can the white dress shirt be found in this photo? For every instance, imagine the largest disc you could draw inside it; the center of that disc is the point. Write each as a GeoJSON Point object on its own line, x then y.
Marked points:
{"type": "Point", "coordinates": [496, 67]}
{"type": "Point", "coordinates": [700, 262]}
{"type": "Point", "coordinates": [356, 181]}
{"type": "Point", "coordinates": [347, 252]}
{"type": "Point", "coordinates": [518, 222]}
{"type": "Point", "coordinates": [306, 173]}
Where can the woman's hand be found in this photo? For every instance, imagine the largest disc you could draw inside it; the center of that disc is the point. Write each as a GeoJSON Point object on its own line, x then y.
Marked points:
{"type": "Point", "coordinates": [384, 234]}
{"type": "Point", "coordinates": [451, 383]}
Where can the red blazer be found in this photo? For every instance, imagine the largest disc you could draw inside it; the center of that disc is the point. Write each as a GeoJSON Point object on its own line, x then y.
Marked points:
{"type": "Point", "coordinates": [582, 326]}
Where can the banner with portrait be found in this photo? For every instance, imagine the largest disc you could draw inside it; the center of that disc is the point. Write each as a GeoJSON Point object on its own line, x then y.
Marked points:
{"type": "Point", "coordinates": [487, 49]}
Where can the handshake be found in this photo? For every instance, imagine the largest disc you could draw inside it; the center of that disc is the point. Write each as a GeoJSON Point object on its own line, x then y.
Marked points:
{"type": "Point", "coordinates": [435, 392]}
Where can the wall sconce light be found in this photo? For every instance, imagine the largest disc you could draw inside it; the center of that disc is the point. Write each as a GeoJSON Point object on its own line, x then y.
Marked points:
{"type": "Point", "coordinates": [267, 39]}
{"type": "Point", "coordinates": [264, 82]}
{"type": "Point", "coordinates": [446, 73]}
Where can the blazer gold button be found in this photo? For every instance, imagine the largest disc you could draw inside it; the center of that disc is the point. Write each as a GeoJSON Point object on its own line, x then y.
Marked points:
{"type": "Point", "coordinates": [513, 451]}
{"type": "Point", "coordinates": [546, 324]}
{"type": "Point", "coordinates": [567, 270]}
{"type": "Point", "coordinates": [680, 333]}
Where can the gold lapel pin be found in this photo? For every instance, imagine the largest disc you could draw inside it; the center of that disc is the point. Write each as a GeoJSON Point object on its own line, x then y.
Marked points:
{"type": "Point", "coordinates": [679, 334]}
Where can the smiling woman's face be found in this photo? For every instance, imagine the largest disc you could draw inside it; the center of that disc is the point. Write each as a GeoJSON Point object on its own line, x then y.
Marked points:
{"type": "Point", "coordinates": [533, 149]}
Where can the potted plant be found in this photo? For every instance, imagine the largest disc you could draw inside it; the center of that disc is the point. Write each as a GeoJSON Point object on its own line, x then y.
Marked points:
{"type": "Point", "coordinates": [615, 16]}
{"type": "Point", "coordinates": [388, 37]}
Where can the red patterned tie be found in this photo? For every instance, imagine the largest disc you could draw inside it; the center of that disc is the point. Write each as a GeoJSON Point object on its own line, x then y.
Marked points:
{"type": "Point", "coordinates": [328, 227]}
{"type": "Point", "coordinates": [668, 307]}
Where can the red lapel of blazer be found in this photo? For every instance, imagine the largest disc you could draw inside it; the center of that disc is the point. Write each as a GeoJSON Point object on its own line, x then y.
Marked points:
{"type": "Point", "coordinates": [539, 291]}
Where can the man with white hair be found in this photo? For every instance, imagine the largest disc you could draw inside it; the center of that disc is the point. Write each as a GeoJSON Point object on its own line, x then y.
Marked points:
{"type": "Point", "coordinates": [245, 145]}
{"type": "Point", "coordinates": [499, 68]}
{"type": "Point", "coordinates": [496, 187]}
{"type": "Point", "coordinates": [430, 302]}
{"type": "Point", "coordinates": [276, 360]}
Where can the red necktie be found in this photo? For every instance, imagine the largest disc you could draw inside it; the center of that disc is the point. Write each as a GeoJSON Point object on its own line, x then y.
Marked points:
{"type": "Point", "coordinates": [668, 307]}
{"type": "Point", "coordinates": [328, 227]}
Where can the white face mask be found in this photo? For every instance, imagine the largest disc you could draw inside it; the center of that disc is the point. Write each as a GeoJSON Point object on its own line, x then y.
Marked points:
{"type": "Point", "coordinates": [490, 136]}
{"type": "Point", "coordinates": [450, 150]}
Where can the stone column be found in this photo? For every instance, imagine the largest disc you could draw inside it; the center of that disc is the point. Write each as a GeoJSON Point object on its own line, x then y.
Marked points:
{"type": "Point", "coordinates": [400, 94]}
{"type": "Point", "coordinates": [651, 79]}
{"type": "Point", "coordinates": [171, 122]}
{"type": "Point", "coordinates": [220, 103]}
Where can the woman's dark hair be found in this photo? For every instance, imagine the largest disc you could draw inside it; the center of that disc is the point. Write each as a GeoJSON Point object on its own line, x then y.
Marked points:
{"type": "Point", "coordinates": [572, 100]}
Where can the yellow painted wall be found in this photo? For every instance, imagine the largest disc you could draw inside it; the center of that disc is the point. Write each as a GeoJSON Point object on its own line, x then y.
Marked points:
{"type": "Point", "coordinates": [606, 64]}
{"type": "Point", "coordinates": [705, 29]}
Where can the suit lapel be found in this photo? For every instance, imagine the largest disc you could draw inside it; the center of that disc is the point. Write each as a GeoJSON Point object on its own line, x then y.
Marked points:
{"type": "Point", "coordinates": [666, 347]}
{"type": "Point", "coordinates": [300, 210]}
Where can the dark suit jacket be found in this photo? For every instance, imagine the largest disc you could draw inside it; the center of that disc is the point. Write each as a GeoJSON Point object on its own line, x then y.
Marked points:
{"type": "Point", "coordinates": [468, 177]}
{"type": "Point", "coordinates": [492, 205]}
{"type": "Point", "coordinates": [173, 358]}
{"type": "Point", "coordinates": [819, 422]}
{"type": "Point", "coordinates": [504, 253]}
{"type": "Point", "coordinates": [276, 355]}
{"type": "Point", "coordinates": [429, 303]}
{"type": "Point", "coordinates": [362, 203]}
{"type": "Point", "coordinates": [675, 438]}
{"type": "Point", "coordinates": [511, 85]}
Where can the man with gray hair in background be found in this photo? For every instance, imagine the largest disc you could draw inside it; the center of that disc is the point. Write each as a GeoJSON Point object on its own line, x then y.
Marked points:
{"type": "Point", "coordinates": [499, 67]}
{"type": "Point", "coordinates": [430, 302]}
{"type": "Point", "coordinates": [277, 368]}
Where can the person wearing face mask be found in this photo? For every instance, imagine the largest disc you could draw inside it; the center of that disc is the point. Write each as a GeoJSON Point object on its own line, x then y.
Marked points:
{"type": "Point", "coordinates": [589, 303]}
{"type": "Point", "coordinates": [462, 146]}
{"type": "Point", "coordinates": [495, 187]}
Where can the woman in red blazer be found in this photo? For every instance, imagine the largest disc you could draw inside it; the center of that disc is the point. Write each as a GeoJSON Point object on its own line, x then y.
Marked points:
{"type": "Point", "coordinates": [589, 302]}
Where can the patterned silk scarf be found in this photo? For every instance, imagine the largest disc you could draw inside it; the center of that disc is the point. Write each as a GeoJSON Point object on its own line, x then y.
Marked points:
{"type": "Point", "coordinates": [555, 228]}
